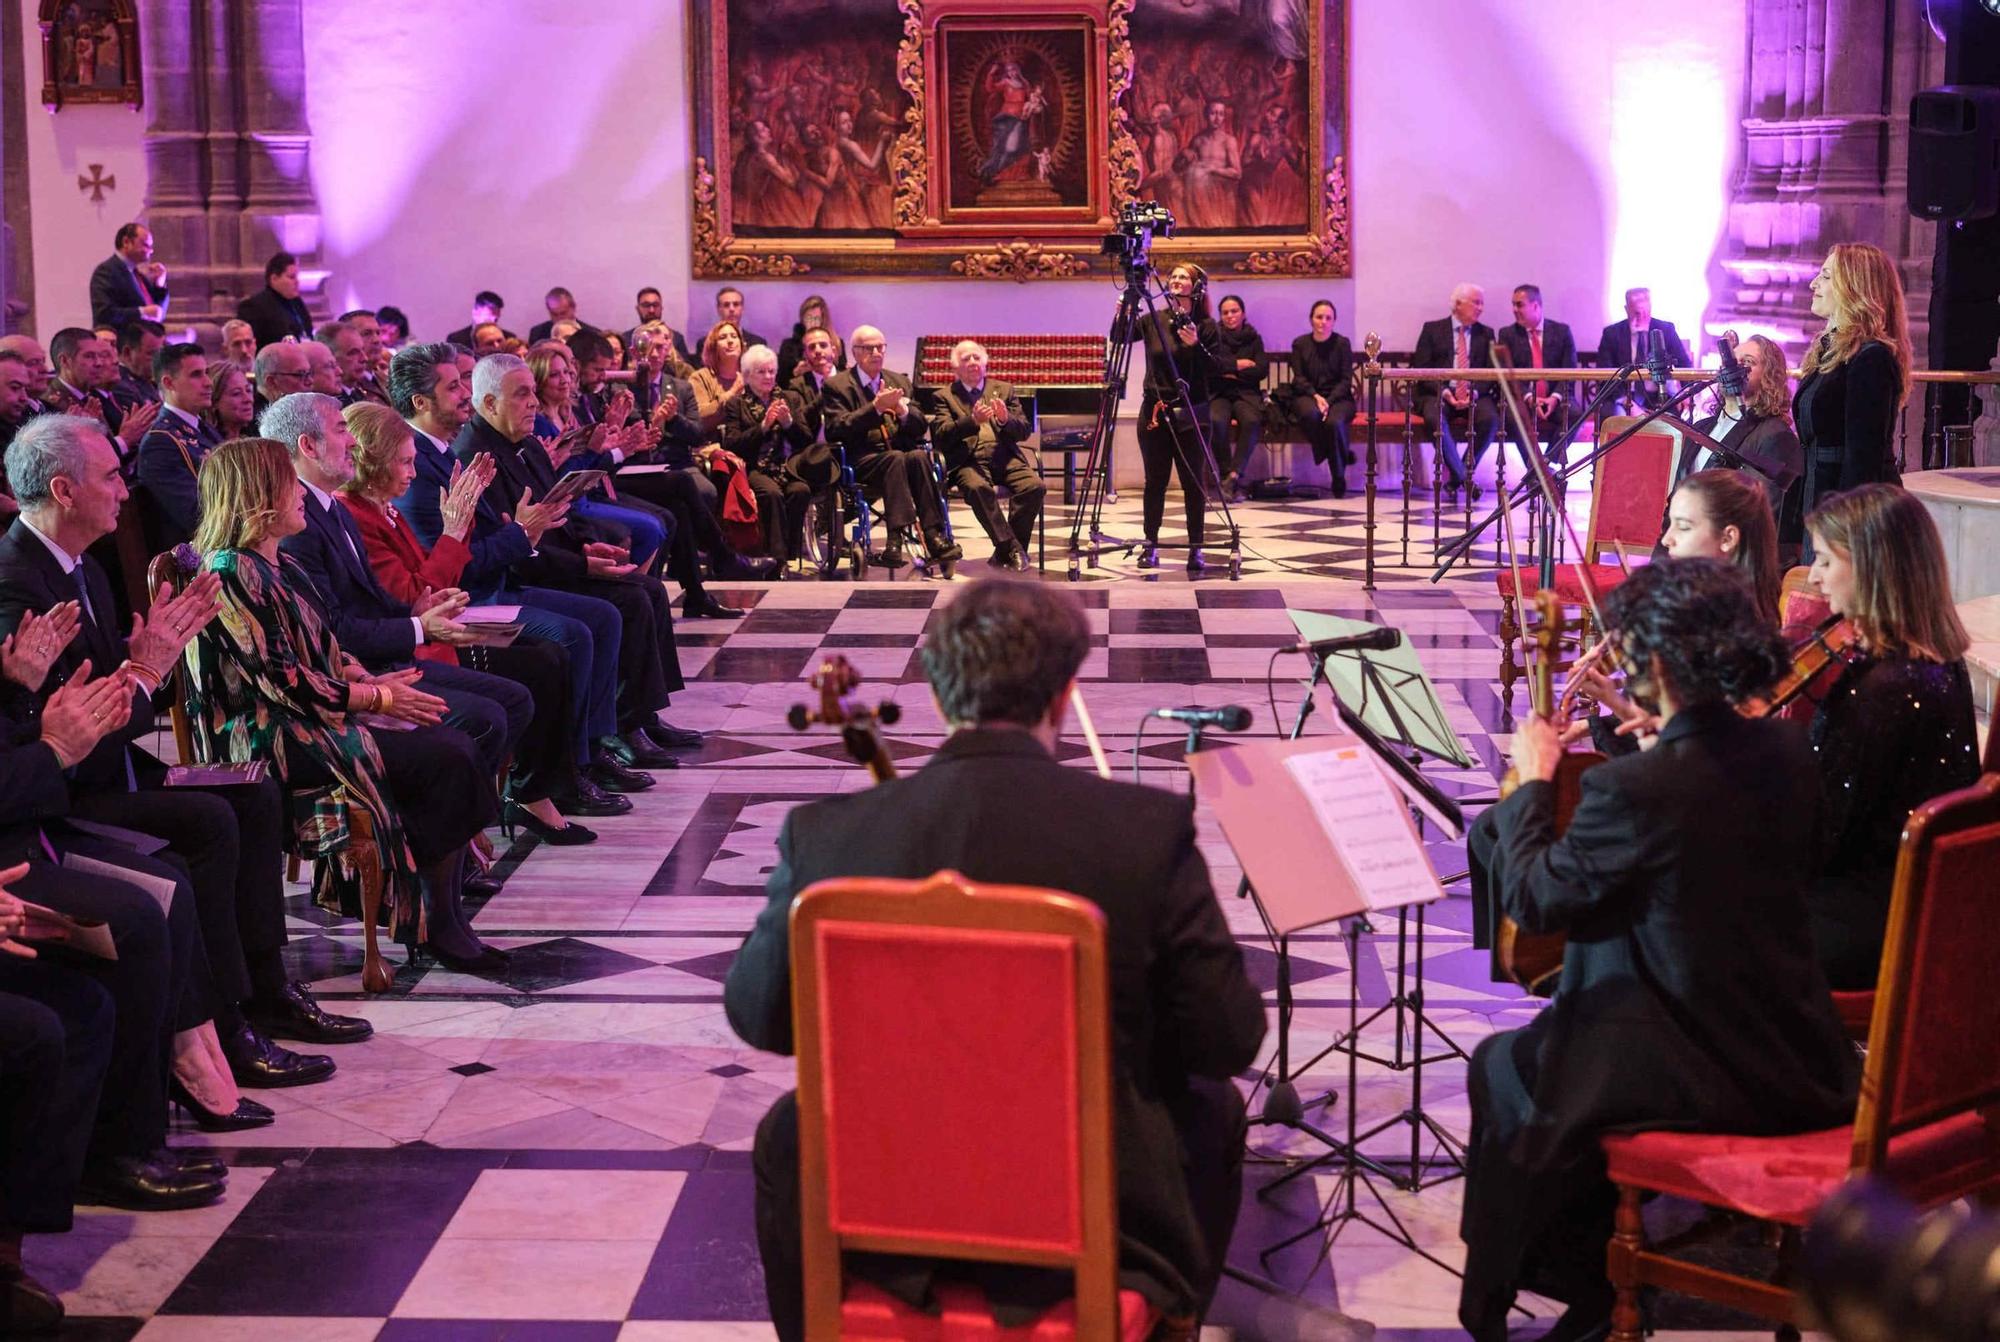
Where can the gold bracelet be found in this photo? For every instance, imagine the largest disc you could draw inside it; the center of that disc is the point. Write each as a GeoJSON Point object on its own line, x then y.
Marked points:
{"type": "Point", "coordinates": [384, 700]}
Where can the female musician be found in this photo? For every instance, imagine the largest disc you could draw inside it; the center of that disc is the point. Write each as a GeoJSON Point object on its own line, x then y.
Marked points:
{"type": "Point", "coordinates": [1856, 376]}
{"type": "Point", "coordinates": [1689, 996]}
{"type": "Point", "coordinates": [1179, 344]}
{"type": "Point", "coordinates": [1758, 425]}
{"type": "Point", "coordinates": [1895, 729]}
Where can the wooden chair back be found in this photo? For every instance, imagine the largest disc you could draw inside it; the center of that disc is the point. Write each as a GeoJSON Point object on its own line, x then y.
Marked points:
{"type": "Point", "coordinates": [954, 1058]}
{"type": "Point", "coordinates": [166, 569]}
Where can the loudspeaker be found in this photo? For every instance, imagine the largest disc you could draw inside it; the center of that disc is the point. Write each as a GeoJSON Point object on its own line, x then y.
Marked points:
{"type": "Point", "coordinates": [1955, 153]}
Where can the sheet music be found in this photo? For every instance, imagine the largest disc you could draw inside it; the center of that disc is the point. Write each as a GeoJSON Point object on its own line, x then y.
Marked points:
{"type": "Point", "coordinates": [1367, 825]}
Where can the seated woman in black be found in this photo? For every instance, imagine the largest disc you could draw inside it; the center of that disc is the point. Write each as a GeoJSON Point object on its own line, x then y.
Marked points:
{"type": "Point", "coordinates": [1689, 996]}
{"type": "Point", "coordinates": [1895, 728]}
{"type": "Point", "coordinates": [1322, 392]}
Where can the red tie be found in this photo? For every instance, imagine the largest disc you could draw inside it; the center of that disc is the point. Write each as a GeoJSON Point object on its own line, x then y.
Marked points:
{"type": "Point", "coordinates": [1535, 352]}
{"type": "Point", "coordinates": [1460, 358]}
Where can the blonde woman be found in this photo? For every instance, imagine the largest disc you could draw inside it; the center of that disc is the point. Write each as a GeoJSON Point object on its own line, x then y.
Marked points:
{"type": "Point", "coordinates": [1856, 377]}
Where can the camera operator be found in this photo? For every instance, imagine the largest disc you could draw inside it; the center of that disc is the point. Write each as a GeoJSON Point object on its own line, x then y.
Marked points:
{"type": "Point", "coordinates": [1180, 342]}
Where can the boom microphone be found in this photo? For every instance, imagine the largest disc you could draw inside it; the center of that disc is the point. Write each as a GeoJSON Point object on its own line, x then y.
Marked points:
{"type": "Point", "coordinates": [1375, 640]}
{"type": "Point", "coordinates": [1229, 717]}
{"type": "Point", "coordinates": [1657, 364]}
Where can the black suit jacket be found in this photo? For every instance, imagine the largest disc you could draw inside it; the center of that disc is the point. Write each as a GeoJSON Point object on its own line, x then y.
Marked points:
{"type": "Point", "coordinates": [1614, 347]}
{"type": "Point", "coordinates": [955, 432]}
{"type": "Point", "coordinates": [765, 449]}
{"type": "Point", "coordinates": [1181, 1003]}
{"type": "Point", "coordinates": [1434, 350]}
{"type": "Point", "coordinates": [1690, 996]}
{"type": "Point", "coordinates": [1325, 372]}
{"type": "Point", "coordinates": [168, 457]}
{"type": "Point", "coordinates": [368, 622]}
{"type": "Point", "coordinates": [558, 560]}
{"type": "Point", "coordinates": [32, 579]}
{"type": "Point", "coordinates": [1558, 351]}
{"type": "Point", "coordinates": [1765, 442]}
{"type": "Point", "coordinates": [861, 430]}
{"type": "Point", "coordinates": [272, 317]}
{"type": "Point", "coordinates": [116, 294]}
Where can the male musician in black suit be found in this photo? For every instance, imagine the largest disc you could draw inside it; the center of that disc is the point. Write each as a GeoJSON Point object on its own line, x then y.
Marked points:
{"type": "Point", "coordinates": [276, 311]}
{"type": "Point", "coordinates": [1533, 342]}
{"type": "Point", "coordinates": [170, 454]}
{"type": "Point", "coordinates": [1002, 661]}
{"type": "Point", "coordinates": [1689, 994]}
{"type": "Point", "coordinates": [502, 423]}
{"type": "Point", "coordinates": [873, 417]}
{"type": "Point", "coordinates": [1629, 340]}
{"type": "Point", "coordinates": [373, 627]}
{"type": "Point", "coordinates": [63, 471]}
{"type": "Point", "coordinates": [978, 423]}
{"type": "Point", "coordinates": [129, 284]}
{"type": "Point", "coordinates": [1458, 341]}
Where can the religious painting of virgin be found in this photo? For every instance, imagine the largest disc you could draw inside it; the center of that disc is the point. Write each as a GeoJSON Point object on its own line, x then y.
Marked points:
{"type": "Point", "coordinates": [90, 52]}
{"type": "Point", "coordinates": [1019, 124]}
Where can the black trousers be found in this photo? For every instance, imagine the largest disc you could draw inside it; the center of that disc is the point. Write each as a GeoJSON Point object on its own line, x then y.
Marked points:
{"type": "Point", "coordinates": [1208, 1116]}
{"type": "Point", "coordinates": [1327, 434]}
{"type": "Point", "coordinates": [1235, 422]}
{"type": "Point", "coordinates": [691, 501]}
{"type": "Point", "coordinates": [649, 665]}
{"type": "Point", "coordinates": [781, 509]}
{"type": "Point", "coordinates": [1165, 450]}
{"type": "Point", "coordinates": [977, 477]}
{"type": "Point", "coordinates": [544, 763]}
{"type": "Point", "coordinates": [156, 952]}
{"type": "Point", "coordinates": [55, 1043]}
{"type": "Point", "coordinates": [231, 842]}
{"type": "Point", "coordinates": [903, 480]}
{"type": "Point", "coordinates": [1523, 1229]}
{"type": "Point", "coordinates": [491, 710]}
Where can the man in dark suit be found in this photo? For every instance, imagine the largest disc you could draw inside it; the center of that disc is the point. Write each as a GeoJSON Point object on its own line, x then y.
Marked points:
{"type": "Point", "coordinates": [1002, 662]}
{"type": "Point", "coordinates": [276, 311]}
{"type": "Point", "coordinates": [375, 628]}
{"type": "Point", "coordinates": [729, 308]}
{"type": "Point", "coordinates": [170, 454]}
{"type": "Point", "coordinates": [561, 305]}
{"type": "Point", "coordinates": [129, 284]}
{"type": "Point", "coordinates": [1532, 343]}
{"type": "Point", "coordinates": [486, 309]}
{"type": "Point", "coordinates": [86, 368]}
{"type": "Point", "coordinates": [978, 423]}
{"type": "Point", "coordinates": [652, 310]}
{"type": "Point", "coordinates": [281, 369]}
{"type": "Point", "coordinates": [1628, 341]}
{"type": "Point", "coordinates": [63, 471]}
{"type": "Point", "coordinates": [1458, 341]}
{"type": "Point", "coordinates": [502, 423]}
{"type": "Point", "coordinates": [872, 415]}
{"type": "Point", "coordinates": [138, 343]}
{"type": "Point", "coordinates": [1690, 996]}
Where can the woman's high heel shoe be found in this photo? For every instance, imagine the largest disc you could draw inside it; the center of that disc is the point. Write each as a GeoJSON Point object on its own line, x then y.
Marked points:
{"type": "Point", "coordinates": [247, 1114]}
{"type": "Point", "coordinates": [569, 835]}
{"type": "Point", "coordinates": [489, 960]}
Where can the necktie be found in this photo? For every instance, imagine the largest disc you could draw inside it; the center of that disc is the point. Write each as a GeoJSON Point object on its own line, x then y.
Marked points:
{"type": "Point", "coordinates": [1461, 357]}
{"type": "Point", "coordinates": [82, 582]}
{"type": "Point", "coordinates": [1535, 352]}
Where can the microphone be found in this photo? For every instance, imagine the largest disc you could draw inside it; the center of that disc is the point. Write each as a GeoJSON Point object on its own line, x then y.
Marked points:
{"type": "Point", "coordinates": [1229, 717]}
{"type": "Point", "coordinates": [1657, 364]}
{"type": "Point", "coordinates": [1731, 377]}
{"type": "Point", "coordinates": [1375, 640]}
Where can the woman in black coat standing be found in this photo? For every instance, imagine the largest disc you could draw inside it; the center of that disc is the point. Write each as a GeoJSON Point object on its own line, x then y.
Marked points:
{"type": "Point", "coordinates": [1856, 376]}
{"type": "Point", "coordinates": [1322, 392]}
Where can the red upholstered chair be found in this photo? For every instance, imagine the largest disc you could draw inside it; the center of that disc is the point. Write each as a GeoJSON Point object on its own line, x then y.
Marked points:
{"type": "Point", "coordinates": [955, 1101]}
{"type": "Point", "coordinates": [1628, 495]}
{"type": "Point", "coordinates": [1929, 1118]}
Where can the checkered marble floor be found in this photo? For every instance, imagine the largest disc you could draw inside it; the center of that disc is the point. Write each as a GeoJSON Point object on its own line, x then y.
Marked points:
{"type": "Point", "coordinates": [561, 1151]}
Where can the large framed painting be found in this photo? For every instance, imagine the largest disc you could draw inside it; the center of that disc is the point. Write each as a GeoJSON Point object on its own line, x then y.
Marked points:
{"type": "Point", "coordinates": [90, 52]}
{"type": "Point", "coordinates": [990, 139]}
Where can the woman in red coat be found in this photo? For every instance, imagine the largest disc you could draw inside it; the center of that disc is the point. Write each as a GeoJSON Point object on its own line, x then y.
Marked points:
{"type": "Point", "coordinates": [544, 765]}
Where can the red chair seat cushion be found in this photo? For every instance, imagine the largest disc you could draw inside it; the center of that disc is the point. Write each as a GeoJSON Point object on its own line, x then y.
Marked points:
{"type": "Point", "coordinates": [870, 1314]}
{"type": "Point", "coordinates": [1568, 584]}
{"type": "Point", "coordinates": [1786, 1178]}
{"type": "Point", "coordinates": [1857, 1013]}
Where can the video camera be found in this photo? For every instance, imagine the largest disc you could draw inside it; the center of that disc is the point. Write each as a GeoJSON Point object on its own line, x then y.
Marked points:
{"type": "Point", "coordinates": [1139, 222]}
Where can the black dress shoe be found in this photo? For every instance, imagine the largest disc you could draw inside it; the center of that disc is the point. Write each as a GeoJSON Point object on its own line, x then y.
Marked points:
{"type": "Point", "coordinates": [1196, 562]}
{"type": "Point", "coordinates": [669, 737]}
{"type": "Point", "coordinates": [247, 1113]}
{"type": "Point", "coordinates": [742, 568]}
{"type": "Point", "coordinates": [567, 836]}
{"type": "Point", "coordinates": [590, 799]}
{"type": "Point", "coordinates": [635, 750]}
{"type": "Point", "coordinates": [26, 1306]}
{"type": "Point", "coordinates": [192, 1160]}
{"type": "Point", "coordinates": [147, 1185]}
{"type": "Point", "coordinates": [491, 959]}
{"type": "Point", "coordinates": [611, 777]}
{"type": "Point", "coordinates": [262, 1065]}
{"type": "Point", "coordinates": [485, 885]}
{"type": "Point", "coordinates": [1149, 555]}
{"type": "Point", "coordinates": [704, 606]}
{"type": "Point", "coordinates": [297, 1016]}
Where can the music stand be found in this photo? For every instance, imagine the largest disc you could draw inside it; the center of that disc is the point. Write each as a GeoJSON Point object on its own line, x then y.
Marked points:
{"type": "Point", "coordinates": [1323, 830]}
{"type": "Point", "coordinates": [1390, 691]}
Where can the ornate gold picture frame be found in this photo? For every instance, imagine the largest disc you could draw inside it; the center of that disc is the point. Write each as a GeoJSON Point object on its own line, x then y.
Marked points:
{"type": "Point", "coordinates": [997, 141]}
{"type": "Point", "coordinates": [90, 52]}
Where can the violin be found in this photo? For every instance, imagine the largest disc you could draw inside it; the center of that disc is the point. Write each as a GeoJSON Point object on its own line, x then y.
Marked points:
{"type": "Point", "coordinates": [1830, 645]}
{"type": "Point", "coordinates": [836, 680]}
{"type": "Point", "coordinates": [1534, 959]}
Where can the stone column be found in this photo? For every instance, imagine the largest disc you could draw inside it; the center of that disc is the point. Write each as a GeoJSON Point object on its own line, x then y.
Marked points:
{"type": "Point", "coordinates": [227, 147]}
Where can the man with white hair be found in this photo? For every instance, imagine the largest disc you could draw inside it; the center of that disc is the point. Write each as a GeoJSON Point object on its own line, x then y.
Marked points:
{"type": "Point", "coordinates": [239, 343]}
{"type": "Point", "coordinates": [1460, 340]}
{"type": "Point", "coordinates": [872, 414]}
{"type": "Point", "coordinates": [978, 424]}
{"type": "Point", "coordinates": [324, 374]}
{"type": "Point", "coordinates": [771, 431]}
{"type": "Point", "coordinates": [280, 370]}
{"type": "Point", "coordinates": [1630, 340]}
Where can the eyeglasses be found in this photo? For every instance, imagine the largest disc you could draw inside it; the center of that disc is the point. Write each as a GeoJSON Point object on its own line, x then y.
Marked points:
{"type": "Point", "coordinates": [860, 345]}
